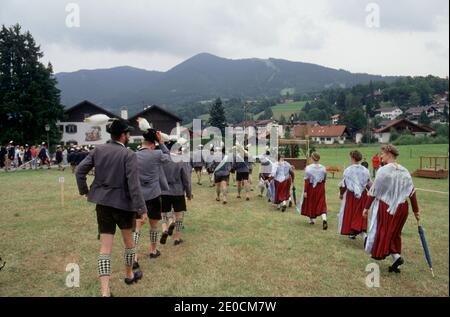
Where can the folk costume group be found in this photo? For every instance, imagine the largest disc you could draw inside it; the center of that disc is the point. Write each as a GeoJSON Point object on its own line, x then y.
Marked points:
{"type": "Point", "coordinates": [386, 196]}
{"type": "Point", "coordinates": [129, 188]}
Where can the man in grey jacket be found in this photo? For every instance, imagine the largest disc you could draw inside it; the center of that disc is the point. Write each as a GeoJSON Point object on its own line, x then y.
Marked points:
{"type": "Point", "coordinates": [178, 174]}
{"type": "Point", "coordinates": [118, 196]}
{"type": "Point", "coordinates": [152, 182]}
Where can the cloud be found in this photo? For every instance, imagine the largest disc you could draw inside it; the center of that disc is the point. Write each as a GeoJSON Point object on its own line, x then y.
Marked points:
{"type": "Point", "coordinates": [156, 34]}
{"type": "Point", "coordinates": [398, 15]}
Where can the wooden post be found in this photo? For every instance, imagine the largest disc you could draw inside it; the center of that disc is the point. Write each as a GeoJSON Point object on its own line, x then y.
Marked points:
{"type": "Point", "coordinates": [421, 161]}
{"type": "Point", "coordinates": [61, 181]}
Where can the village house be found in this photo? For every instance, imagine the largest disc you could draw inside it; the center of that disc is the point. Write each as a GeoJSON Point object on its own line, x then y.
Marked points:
{"type": "Point", "coordinates": [389, 113]}
{"type": "Point", "coordinates": [330, 134]}
{"type": "Point", "coordinates": [335, 119]}
{"type": "Point", "coordinates": [414, 113]}
{"type": "Point", "coordinates": [383, 134]}
{"type": "Point", "coordinates": [76, 131]}
{"type": "Point", "coordinates": [261, 124]}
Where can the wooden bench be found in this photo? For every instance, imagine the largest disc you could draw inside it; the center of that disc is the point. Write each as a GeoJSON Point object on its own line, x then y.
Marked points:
{"type": "Point", "coordinates": [333, 170]}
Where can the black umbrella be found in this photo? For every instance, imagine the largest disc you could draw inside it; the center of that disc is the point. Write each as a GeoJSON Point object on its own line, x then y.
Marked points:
{"type": "Point", "coordinates": [294, 194]}
{"type": "Point", "coordinates": [425, 247]}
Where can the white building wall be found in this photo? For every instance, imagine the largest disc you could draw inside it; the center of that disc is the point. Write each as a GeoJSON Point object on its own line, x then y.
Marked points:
{"type": "Point", "coordinates": [383, 137]}
{"type": "Point", "coordinates": [87, 133]}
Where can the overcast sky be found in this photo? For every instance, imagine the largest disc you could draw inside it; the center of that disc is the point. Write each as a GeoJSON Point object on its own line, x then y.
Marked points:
{"type": "Point", "coordinates": [411, 38]}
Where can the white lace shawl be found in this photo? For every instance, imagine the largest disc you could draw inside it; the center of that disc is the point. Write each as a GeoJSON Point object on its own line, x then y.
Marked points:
{"type": "Point", "coordinates": [355, 179]}
{"type": "Point", "coordinates": [315, 173]}
{"type": "Point", "coordinates": [393, 185]}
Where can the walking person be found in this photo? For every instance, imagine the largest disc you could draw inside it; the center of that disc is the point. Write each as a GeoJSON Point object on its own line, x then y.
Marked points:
{"type": "Point", "coordinates": [198, 163]}
{"type": "Point", "coordinates": [266, 169]}
{"type": "Point", "coordinates": [118, 196]}
{"type": "Point", "coordinates": [27, 157]}
{"type": "Point", "coordinates": [313, 202]}
{"type": "Point", "coordinates": [34, 157]}
{"type": "Point", "coordinates": [211, 163]}
{"type": "Point", "coordinates": [10, 155]}
{"type": "Point", "coordinates": [241, 167]}
{"type": "Point", "coordinates": [44, 156]}
{"type": "Point", "coordinates": [20, 156]}
{"type": "Point", "coordinates": [152, 182]}
{"type": "Point", "coordinates": [353, 195]}
{"type": "Point", "coordinates": [388, 196]}
{"type": "Point", "coordinates": [282, 175]}
{"type": "Point", "coordinates": [222, 176]}
{"type": "Point", "coordinates": [178, 177]}
{"type": "Point", "coordinates": [59, 158]}
{"type": "Point", "coordinates": [376, 164]}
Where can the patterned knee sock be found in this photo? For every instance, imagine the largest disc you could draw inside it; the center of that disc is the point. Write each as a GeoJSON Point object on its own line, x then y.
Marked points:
{"type": "Point", "coordinates": [153, 236]}
{"type": "Point", "coordinates": [178, 224]}
{"type": "Point", "coordinates": [136, 237]}
{"type": "Point", "coordinates": [104, 265]}
{"type": "Point", "coordinates": [324, 217]}
{"type": "Point", "coordinates": [128, 256]}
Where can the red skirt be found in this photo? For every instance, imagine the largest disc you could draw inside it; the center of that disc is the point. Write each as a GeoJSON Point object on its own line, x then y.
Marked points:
{"type": "Point", "coordinates": [282, 191]}
{"type": "Point", "coordinates": [388, 238]}
{"type": "Point", "coordinates": [353, 221]}
{"type": "Point", "coordinates": [315, 203]}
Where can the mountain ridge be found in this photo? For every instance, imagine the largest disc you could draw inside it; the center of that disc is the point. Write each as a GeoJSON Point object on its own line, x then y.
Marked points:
{"type": "Point", "coordinates": [202, 77]}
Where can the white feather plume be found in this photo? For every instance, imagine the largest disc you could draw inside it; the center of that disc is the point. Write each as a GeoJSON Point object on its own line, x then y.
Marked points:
{"type": "Point", "coordinates": [143, 124]}
{"type": "Point", "coordinates": [165, 137]}
{"type": "Point", "coordinates": [97, 119]}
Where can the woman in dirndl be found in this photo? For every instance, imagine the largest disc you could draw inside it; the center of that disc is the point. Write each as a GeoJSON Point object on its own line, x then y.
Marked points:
{"type": "Point", "coordinates": [353, 195]}
{"type": "Point", "coordinates": [388, 196]}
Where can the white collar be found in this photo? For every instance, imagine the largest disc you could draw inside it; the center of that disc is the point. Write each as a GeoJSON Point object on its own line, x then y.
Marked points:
{"type": "Point", "coordinates": [117, 142]}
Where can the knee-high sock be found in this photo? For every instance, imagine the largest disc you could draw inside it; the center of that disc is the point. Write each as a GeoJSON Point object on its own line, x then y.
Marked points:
{"type": "Point", "coordinates": [153, 235]}
{"type": "Point", "coordinates": [324, 217]}
{"type": "Point", "coordinates": [239, 187]}
{"type": "Point", "coordinates": [136, 237]}
{"type": "Point", "coordinates": [104, 265]}
{"type": "Point", "coordinates": [395, 257]}
{"type": "Point", "coordinates": [178, 224]}
{"type": "Point", "coordinates": [128, 256]}
{"type": "Point", "coordinates": [165, 218]}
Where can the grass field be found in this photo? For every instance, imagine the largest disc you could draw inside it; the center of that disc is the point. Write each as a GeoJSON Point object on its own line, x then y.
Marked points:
{"type": "Point", "coordinates": [286, 109]}
{"type": "Point", "coordinates": [242, 249]}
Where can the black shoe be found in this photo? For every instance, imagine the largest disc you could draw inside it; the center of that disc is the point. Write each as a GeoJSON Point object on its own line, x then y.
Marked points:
{"type": "Point", "coordinates": [239, 197]}
{"type": "Point", "coordinates": [137, 276]}
{"type": "Point", "coordinates": [171, 228]}
{"type": "Point", "coordinates": [283, 208]}
{"type": "Point", "coordinates": [164, 237]}
{"type": "Point", "coordinates": [178, 242]}
{"type": "Point", "coordinates": [224, 202]}
{"type": "Point", "coordinates": [290, 204]}
{"type": "Point", "coordinates": [247, 199]}
{"type": "Point", "coordinates": [394, 267]}
{"type": "Point", "coordinates": [136, 265]}
{"type": "Point", "coordinates": [352, 237]}
{"type": "Point", "coordinates": [155, 255]}
{"type": "Point", "coordinates": [325, 225]}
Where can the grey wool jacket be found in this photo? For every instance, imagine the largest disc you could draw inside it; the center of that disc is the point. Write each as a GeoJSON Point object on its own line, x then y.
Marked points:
{"type": "Point", "coordinates": [116, 182]}
{"type": "Point", "coordinates": [151, 172]}
{"type": "Point", "coordinates": [178, 175]}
